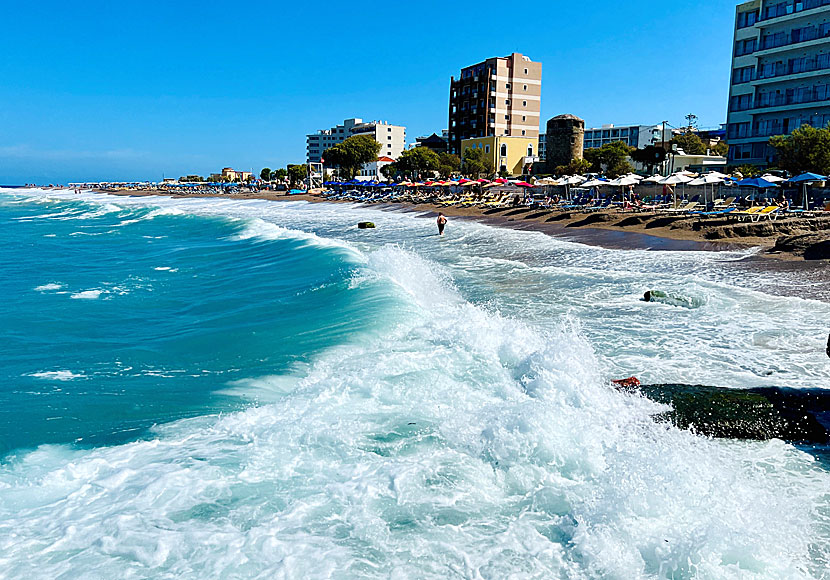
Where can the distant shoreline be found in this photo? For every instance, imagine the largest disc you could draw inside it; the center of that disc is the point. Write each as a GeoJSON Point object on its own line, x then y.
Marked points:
{"type": "Point", "coordinates": [603, 228]}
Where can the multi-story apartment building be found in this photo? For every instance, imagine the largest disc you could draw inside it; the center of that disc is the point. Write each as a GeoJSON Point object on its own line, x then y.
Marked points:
{"type": "Point", "coordinates": [498, 97]}
{"type": "Point", "coordinates": [391, 137]}
{"type": "Point", "coordinates": [780, 75]}
{"type": "Point", "coordinates": [638, 136]}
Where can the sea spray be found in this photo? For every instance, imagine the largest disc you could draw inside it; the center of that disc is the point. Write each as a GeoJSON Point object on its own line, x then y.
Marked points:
{"type": "Point", "coordinates": [453, 434]}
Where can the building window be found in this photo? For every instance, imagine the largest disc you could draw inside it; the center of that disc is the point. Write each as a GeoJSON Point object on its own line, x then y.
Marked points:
{"type": "Point", "coordinates": [507, 101]}
{"type": "Point", "coordinates": [524, 117]}
{"type": "Point", "coordinates": [530, 150]}
{"type": "Point", "coordinates": [746, 19]}
{"type": "Point", "coordinates": [504, 150]}
{"type": "Point", "coordinates": [523, 132]}
{"type": "Point", "coordinates": [507, 86]}
{"type": "Point", "coordinates": [507, 117]}
{"type": "Point", "coordinates": [525, 71]}
{"type": "Point", "coordinates": [389, 129]}
{"type": "Point", "coordinates": [487, 149]}
{"type": "Point", "coordinates": [524, 103]}
{"type": "Point", "coordinates": [525, 87]}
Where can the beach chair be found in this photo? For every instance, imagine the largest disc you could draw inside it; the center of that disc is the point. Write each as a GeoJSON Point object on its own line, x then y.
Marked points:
{"type": "Point", "coordinates": [724, 203]}
{"type": "Point", "coordinates": [770, 212]}
{"type": "Point", "coordinates": [682, 208]}
{"type": "Point", "coordinates": [747, 213]}
{"type": "Point", "coordinates": [714, 213]}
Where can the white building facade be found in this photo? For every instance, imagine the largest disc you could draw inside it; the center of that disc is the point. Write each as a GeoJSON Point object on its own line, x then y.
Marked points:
{"type": "Point", "coordinates": [780, 75]}
{"type": "Point", "coordinates": [639, 136]}
{"type": "Point", "coordinates": [392, 138]}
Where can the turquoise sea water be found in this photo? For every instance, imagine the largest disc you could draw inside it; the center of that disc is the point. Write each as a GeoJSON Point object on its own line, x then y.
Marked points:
{"type": "Point", "coordinates": [218, 388]}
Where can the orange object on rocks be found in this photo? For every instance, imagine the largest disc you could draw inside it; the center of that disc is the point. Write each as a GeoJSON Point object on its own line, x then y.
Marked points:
{"type": "Point", "coordinates": [628, 383]}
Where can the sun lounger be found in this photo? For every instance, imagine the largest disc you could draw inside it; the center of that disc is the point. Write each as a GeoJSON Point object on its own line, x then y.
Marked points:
{"type": "Point", "coordinates": [769, 212]}
{"type": "Point", "coordinates": [751, 212]}
{"type": "Point", "coordinates": [714, 213]}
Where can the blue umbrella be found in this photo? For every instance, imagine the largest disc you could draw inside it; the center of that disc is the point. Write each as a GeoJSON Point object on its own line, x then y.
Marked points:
{"type": "Point", "coordinates": [804, 179]}
{"type": "Point", "coordinates": [758, 182]}
{"type": "Point", "coordinates": [808, 178]}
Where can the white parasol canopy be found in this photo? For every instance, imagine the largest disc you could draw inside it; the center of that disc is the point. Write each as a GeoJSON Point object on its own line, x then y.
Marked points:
{"type": "Point", "coordinates": [624, 180]}
{"type": "Point", "coordinates": [772, 178]}
{"type": "Point", "coordinates": [676, 178]}
{"type": "Point", "coordinates": [573, 180]}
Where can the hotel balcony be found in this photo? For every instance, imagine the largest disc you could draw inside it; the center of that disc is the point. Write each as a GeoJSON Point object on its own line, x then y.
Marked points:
{"type": "Point", "coordinates": [793, 70]}
{"type": "Point", "coordinates": [792, 9]}
{"type": "Point", "coordinates": [799, 38]}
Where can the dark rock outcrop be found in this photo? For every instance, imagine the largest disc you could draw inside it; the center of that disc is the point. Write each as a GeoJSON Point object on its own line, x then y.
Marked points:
{"type": "Point", "coordinates": [813, 246]}
{"type": "Point", "coordinates": [796, 415]}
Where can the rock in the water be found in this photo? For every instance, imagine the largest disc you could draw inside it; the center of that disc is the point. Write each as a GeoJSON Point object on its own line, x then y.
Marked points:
{"type": "Point", "coordinates": [797, 415]}
{"type": "Point", "coordinates": [366, 225]}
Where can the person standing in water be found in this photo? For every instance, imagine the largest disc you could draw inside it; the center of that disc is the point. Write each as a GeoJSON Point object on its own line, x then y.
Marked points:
{"type": "Point", "coordinates": [442, 221]}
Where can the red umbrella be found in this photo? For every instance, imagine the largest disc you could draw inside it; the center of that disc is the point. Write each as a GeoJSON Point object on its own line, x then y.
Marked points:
{"type": "Point", "coordinates": [524, 184]}
{"type": "Point", "coordinates": [500, 180]}
{"type": "Point", "coordinates": [484, 181]}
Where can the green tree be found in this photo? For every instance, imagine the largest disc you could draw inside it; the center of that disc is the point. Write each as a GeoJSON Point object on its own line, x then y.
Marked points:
{"type": "Point", "coordinates": [448, 164]}
{"type": "Point", "coordinates": [650, 156]}
{"type": "Point", "coordinates": [390, 171]}
{"type": "Point", "coordinates": [279, 174]}
{"type": "Point", "coordinates": [721, 148]}
{"type": "Point", "coordinates": [575, 167]}
{"type": "Point", "coordinates": [805, 149]}
{"type": "Point", "coordinates": [418, 161]}
{"type": "Point", "coordinates": [265, 174]}
{"type": "Point", "coordinates": [748, 170]}
{"type": "Point", "coordinates": [296, 173]}
{"type": "Point", "coordinates": [476, 163]}
{"type": "Point", "coordinates": [611, 158]}
{"type": "Point", "coordinates": [690, 144]}
{"type": "Point", "coordinates": [352, 153]}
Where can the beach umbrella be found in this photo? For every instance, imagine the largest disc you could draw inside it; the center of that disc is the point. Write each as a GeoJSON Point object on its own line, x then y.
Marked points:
{"type": "Point", "coordinates": [501, 180]}
{"type": "Point", "coordinates": [808, 178]}
{"type": "Point", "coordinates": [595, 182]}
{"type": "Point", "coordinates": [773, 178]}
{"type": "Point", "coordinates": [804, 179]}
{"type": "Point", "coordinates": [483, 180]}
{"type": "Point", "coordinates": [571, 181]}
{"type": "Point", "coordinates": [756, 182]}
{"type": "Point", "coordinates": [624, 180]}
{"type": "Point", "coordinates": [524, 184]}
{"type": "Point", "coordinates": [656, 178]}
{"type": "Point", "coordinates": [709, 179]}
{"type": "Point", "coordinates": [675, 179]}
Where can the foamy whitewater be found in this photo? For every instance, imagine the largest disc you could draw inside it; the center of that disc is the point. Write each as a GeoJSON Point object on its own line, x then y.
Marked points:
{"type": "Point", "coordinates": [214, 388]}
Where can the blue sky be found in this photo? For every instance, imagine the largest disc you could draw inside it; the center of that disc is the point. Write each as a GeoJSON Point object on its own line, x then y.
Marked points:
{"type": "Point", "coordinates": [137, 90]}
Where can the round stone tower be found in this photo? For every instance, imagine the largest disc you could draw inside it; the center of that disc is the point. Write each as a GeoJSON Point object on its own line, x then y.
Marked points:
{"type": "Point", "coordinates": [564, 140]}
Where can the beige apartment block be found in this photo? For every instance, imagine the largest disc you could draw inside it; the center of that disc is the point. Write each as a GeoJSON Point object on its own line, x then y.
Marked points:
{"type": "Point", "coordinates": [497, 97]}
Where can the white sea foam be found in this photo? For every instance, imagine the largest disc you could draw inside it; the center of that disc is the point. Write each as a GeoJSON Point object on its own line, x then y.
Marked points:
{"type": "Point", "coordinates": [461, 440]}
{"type": "Point", "coordinates": [259, 229]}
{"type": "Point", "coordinates": [62, 375]}
{"type": "Point", "coordinates": [87, 295]}
{"type": "Point", "coordinates": [48, 287]}
{"type": "Point", "coordinates": [456, 443]}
